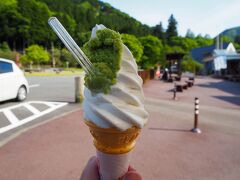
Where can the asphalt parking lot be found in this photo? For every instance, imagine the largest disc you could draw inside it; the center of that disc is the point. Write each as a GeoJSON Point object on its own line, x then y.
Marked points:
{"type": "Point", "coordinates": [165, 149]}
{"type": "Point", "coordinates": [49, 97]}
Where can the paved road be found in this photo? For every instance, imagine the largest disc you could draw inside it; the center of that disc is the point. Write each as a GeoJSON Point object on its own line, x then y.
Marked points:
{"type": "Point", "coordinates": [49, 97]}
{"type": "Point", "coordinates": [166, 149]}
{"type": "Point", "coordinates": [49, 89]}
{"type": "Point", "coordinates": [211, 92]}
{"type": "Point", "coordinates": [52, 88]}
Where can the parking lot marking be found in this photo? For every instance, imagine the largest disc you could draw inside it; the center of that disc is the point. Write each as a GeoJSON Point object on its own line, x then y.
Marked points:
{"type": "Point", "coordinates": [14, 122]}
{"type": "Point", "coordinates": [50, 104]}
{"type": "Point", "coordinates": [32, 109]}
{"type": "Point", "coordinates": [34, 85]}
{"type": "Point", "coordinates": [10, 116]}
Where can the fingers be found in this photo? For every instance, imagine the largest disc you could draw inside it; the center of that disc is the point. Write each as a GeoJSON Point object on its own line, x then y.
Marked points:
{"type": "Point", "coordinates": [132, 174]}
{"type": "Point", "coordinates": [93, 162]}
{"type": "Point", "coordinates": [130, 168]}
{"type": "Point", "coordinates": [90, 172]}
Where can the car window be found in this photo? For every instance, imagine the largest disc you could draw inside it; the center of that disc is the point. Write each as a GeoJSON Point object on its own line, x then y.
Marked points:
{"type": "Point", "coordinates": [5, 67]}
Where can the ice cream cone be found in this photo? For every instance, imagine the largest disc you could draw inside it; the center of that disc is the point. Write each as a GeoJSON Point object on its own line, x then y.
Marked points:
{"type": "Point", "coordinates": [113, 149]}
{"type": "Point", "coordinates": [113, 141]}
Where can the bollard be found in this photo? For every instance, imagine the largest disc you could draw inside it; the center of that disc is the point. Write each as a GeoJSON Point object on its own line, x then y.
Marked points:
{"type": "Point", "coordinates": [175, 92]}
{"type": "Point", "coordinates": [196, 113]}
{"type": "Point", "coordinates": [78, 89]}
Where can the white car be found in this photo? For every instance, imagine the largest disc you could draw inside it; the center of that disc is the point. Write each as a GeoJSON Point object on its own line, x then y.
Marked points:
{"type": "Point", "coordinates": [13, 84]}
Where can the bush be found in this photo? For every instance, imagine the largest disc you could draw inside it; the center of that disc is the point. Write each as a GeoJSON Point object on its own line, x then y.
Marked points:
{"type": "Point", "coordinates": [189, 64]}
{"type": "Point", "coordinates": [35, 54]}
{"type": "Point", "coordinates": [66, 56]}
{"type": "Point", "coordinates": [152, 53]}
{"type": "Point", "coordinates": [5, 52]}
{"type": "Point", "coordinates": [134, 46]}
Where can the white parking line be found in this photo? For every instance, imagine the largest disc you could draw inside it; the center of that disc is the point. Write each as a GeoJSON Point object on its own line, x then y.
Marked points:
{"type": "Point", "coordinates": [14, 122]}
{"type": "Point", "coordinates": [11, 117]}
{"type": "Point", "coordinates": [34, 85]}
{"type": "Point", "coordinates": [32, 109]}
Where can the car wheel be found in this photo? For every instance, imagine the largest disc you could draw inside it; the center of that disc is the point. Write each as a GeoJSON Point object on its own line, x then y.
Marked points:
{"type": "Point", "coordinates": [22, 94]}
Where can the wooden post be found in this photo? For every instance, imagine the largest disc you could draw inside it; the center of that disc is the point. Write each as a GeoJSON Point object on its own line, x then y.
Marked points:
{"type": "Point", "coordinates": [175, 91]}
{"type": "Point", "coordinates": [78, 89]}
{"type": "Point", "coordinates": [17, 59]}
{"type": "Point", "coordinates": [52, 54]}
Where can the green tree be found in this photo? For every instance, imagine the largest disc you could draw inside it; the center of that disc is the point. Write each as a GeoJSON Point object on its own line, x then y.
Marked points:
{"type": "Point", "coordinates": [5, 51]}
{"type": "Point", "coordinates": [24, 22]}
{"type": "Point", "coordinates": [152, 53]}
{"type": "Point", "coordinates": [87, 14]}
{"type": "Point", "coordinates": [203, 41]}
{"type": "Point", "coordinates": [237, 39]}
{"type": "Point", "coordinates": [173, 49]}
{"type": "Point", "coordinates": [185, 43]}
{"type": "Point", "coordinates": [5, 47]}
{"type": "Point", "coordinates": [237, 46]}
{"type": "Point", "coordinates": [190, 34]}
{"type": "Point", "coordinates": [55, 57]}
{"type": "Point", "coordinates": [66, 57]}
{"type": "Point", "coordinates": [35, 54]}
{"type": "Point", "coordinates": [159, 32]}
{"type": "Point", "coordinates": [122, 22]}
{"type": "Point", "coordinates": [37, 14]}
{"type": "Point", "coordinates": [172, 28]}
{"type": "Point", "coordinates": [226, 39]}
{"type": "Point", "coordinates": [83, 37]}
{"type": "Point", "coordinates": [189, 64]}
{"type": "Point", "coordinates": [68, 22]}
{"type": "Point", "coordinates": [134, 45]}
{"type": "Point", "coordinates": [8, 4]}
{"type": "Point", "coordinates": [11, 22]}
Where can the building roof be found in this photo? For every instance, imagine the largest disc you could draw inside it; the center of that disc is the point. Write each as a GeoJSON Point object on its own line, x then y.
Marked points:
{"type": "Point", "coordinates": [223, 52]}
{"type": "Point", "coordinates": [198, 54]}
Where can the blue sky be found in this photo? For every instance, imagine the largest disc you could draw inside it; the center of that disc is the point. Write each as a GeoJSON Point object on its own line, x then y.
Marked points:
{"type": "Point", "coordinates": [201, 16]}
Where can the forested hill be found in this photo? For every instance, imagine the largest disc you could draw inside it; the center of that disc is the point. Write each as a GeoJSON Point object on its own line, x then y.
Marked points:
{"type": "Point", "coordinates": [87, 13]}
{"type": "Point", "coordinates": [24, 22]}
{"type": "Point", "coordinates": [232, 33]}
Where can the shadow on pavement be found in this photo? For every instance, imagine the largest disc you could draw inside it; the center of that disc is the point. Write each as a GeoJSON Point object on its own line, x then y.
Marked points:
{"type": "Point", "coordinates": [233, 88]}
{"type": "Point", "coordinates": [230, 99]}
{"type": "Point", "coordinates": [8, 101]}
{"type": "Point", "coordinates": [61, 101]}
{"type": "Point", "coordinates": [226, 86]}
{"type": "Point", "coordinates": [166, 129]}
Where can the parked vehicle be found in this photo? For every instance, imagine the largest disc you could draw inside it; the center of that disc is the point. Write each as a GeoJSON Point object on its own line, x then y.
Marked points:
{"type": "Point", "coordinates": [13, 84]}
{"type": "Point", "coordinates": [174, 69]}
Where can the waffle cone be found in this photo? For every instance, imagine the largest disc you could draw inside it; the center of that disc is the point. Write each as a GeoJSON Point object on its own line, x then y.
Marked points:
{"type": "Point", "coordinates": [113, 141]}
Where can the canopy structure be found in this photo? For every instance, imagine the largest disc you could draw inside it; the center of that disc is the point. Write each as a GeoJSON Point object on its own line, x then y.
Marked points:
{"type": "Point", "coordinates": [174, 62]}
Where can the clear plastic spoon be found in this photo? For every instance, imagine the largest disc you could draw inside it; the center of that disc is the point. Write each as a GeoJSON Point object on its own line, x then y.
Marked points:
{"type": "Point", "coordinates": [71, 44]}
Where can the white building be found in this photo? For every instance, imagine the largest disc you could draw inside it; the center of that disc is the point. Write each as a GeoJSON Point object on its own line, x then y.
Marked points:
{"type": "Point", "coordinates": [221, 59]}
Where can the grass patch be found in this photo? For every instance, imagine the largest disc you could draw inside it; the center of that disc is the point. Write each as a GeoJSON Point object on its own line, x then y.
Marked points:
{"type": "Point", "coordinates": [66, 72]}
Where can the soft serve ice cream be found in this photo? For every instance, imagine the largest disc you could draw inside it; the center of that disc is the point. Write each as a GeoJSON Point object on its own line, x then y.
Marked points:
{"type": "Point", "coordinates": [119, 104]}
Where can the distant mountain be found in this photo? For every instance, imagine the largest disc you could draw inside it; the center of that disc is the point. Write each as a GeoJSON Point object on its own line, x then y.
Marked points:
{"type": "Point", "coordinates": [87, 13]}
{"type": "Point", "coordinates": [231, 33]}
{"type": "Point", "coordinates": [24, 22]}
